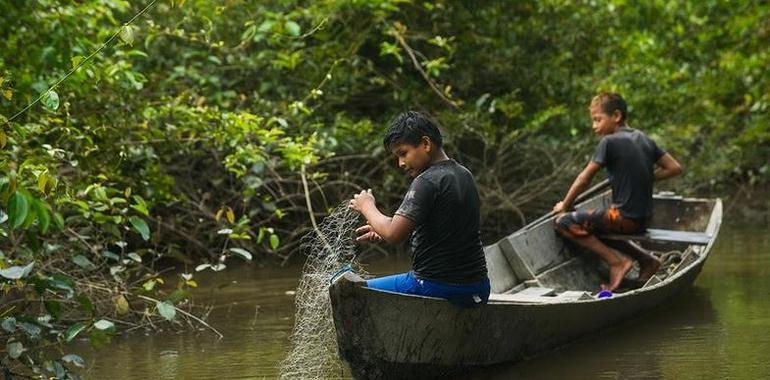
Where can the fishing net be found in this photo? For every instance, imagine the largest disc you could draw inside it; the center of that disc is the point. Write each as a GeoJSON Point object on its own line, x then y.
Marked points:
{"type": "Point", "coordinates": [329, 249]}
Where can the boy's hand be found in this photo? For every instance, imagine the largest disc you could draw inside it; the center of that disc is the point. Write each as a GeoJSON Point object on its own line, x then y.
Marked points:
{"type": "Point", "coordinates": [559, 207]}
{"type": "Point", "coordinates": [366, 233]}
{"type": "Point", "coordinates": [362, 200]}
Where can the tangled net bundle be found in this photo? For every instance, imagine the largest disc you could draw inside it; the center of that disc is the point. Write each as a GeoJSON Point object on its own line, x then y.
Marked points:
{"type": "Point", "coordinates": [313, 353]}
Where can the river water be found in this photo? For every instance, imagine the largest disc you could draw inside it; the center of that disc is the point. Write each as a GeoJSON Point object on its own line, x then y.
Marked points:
{"type": "Point", "coordinates": [718, 329]}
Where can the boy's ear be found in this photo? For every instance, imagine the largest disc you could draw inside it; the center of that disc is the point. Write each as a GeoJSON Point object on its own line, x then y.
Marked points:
{"type": "Point", "coordinates": [427, 143]}
{"type": "Point", "coordinates": [617, 116]}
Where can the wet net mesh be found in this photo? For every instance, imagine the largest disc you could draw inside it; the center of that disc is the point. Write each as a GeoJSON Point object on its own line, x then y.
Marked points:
{"type": "Point", "coordinates": [313, 352]}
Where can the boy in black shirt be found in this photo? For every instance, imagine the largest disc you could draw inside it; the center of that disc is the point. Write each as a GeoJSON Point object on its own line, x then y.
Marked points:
{"type": "Point", "coordinates": [440, 212]}
{"type": "Point", "coordinates": [630, 158]}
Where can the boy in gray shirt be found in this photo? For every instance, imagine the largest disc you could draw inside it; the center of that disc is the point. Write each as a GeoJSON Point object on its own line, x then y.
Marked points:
{"type": "Point", "coordinates": [630, 158]}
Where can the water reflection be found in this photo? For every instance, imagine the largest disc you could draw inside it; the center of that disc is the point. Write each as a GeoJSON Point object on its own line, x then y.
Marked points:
{"type": "Point", "coordinates": [717, 329]}
{"type": "Point", "coordinates": [653, 346]}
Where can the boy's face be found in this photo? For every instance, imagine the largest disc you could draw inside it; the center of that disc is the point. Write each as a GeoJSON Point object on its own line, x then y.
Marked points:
{"type": "Point", "coordinates": [604, 124]}
{"type": "Point", "coordinates": [413, 159]}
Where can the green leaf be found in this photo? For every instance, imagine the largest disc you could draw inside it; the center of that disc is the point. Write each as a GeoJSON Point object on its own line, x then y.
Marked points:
{"type": "Point", "coordinates": [74, 359]}
{"type": "Point", "coordinates": [73, 331]}
{"type": "Point", "coordinates": [16, 272]}
{"type": "Point", "coordinates": [9, 324]}
{"type": "Point", "coordinates": [53, 307]}
{"type": "Point", "coordinates": [18, 207]}
{"type": "Point", "coordinates": [149, 285]}
{"type": "Point", "coordinates": [59, 220]}
{"type": "Point", "coordinates": [134, 256]}
{"type": "Point", "coordinates": [76, 60]}
{"type": "Point", "coordinates": [43, 217]}
{"type": "Point", "coordinates": [166, 310]}
{"type": "Point", "coordinates": [104, 324]}
{"type": "Point", "coordinates": [242, 253]}
{"type": "Point", "coordinates": [127, 34]}
{"type": "Point", "coordinates": [14, 349]}
{"type": "Point", "coordinates": [99, 338]}
{"type": "Point", "coordinates": [274, 241]}
{"type": "Point", "coordinates": [50, 100]}
{"type": "Point", "coordinates": [292, 28]}
{"type": "Point", "coordinates": [85, 303]}
{"type": "Point", "coordinates": [141, 226]}
{"type": "Point", "coordinates": [83, 262]}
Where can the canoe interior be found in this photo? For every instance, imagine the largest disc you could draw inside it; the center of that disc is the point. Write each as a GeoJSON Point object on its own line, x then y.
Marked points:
{"type": "Point", "coordinates": [535, 257]}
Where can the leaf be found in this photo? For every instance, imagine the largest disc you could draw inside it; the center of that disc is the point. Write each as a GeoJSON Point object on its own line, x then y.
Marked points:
{"type": "Point", "coordinates": [218, 267]}
{"type": "Point", "coordinates": [7, 93]}
{"type": "Point", "coordinates": [274, 241]}
{"type": "Point", "coordinates": [166, 310]}
{"type": "Point", "coordinates": [121, 304]}
{"type": "Point", "coordinates": [85, 303]}
{"type": "Point", "coordinates": [50, 100]}
{"type": "Point", "coordinates": [3, 139]}
{"type": "Point", "coordinates": [141, 226]}
{"type": "Point", "coordinates": [242, 253]}
{"type": "Point", "coordinates": [134, 256]}
{"type": "Point", "coordinates": [53, 307]}
{"type": "Point", "coordinates": [43, 217]}
{"type": "Point", "coordinates": [202, 267]}
{"type": "Point", "coordinates": [42, 179]}
{"type": "Point", "coordinates": [292, 28]}
{"type": "Point", "coordinates": [32, 330]}
{"type": "Point", "coordinates": [225, 231]}
{"type": "Point", "coordinates": [230, 215]}
{"type": "Point", "coordinates": [73, 331]}
{"type": "Point", "coordinates": [14, 349]}
{"type": "Point", "coordinates": [127, 34]}
{"type": "Point", "coordinates": [149, 285]}
{"type": "Point", "coordinates": [83, 262]}
{"type": "Point", "coordinates": [18, 207]}
{"type": "Point", "coordinates": [104, 324]}
{"type": "Point", "coordinates": [9, 324]}
{"type": "Point", "coordinates": [16, 272]}
{"type": "Point", "coordinates": [99, 338]}
{"type": "Point", "coordinates": [59, 220]}
{"type": "Point", "coordinates": [76, 60]}
{"type": "Point", "coordinates": [74, 359]}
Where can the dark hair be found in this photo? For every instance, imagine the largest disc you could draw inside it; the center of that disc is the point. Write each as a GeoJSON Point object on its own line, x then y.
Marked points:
{"type": "Point", "coordinates": [409, 127]}
{"type": "Point", "coordinates": [611, 102]}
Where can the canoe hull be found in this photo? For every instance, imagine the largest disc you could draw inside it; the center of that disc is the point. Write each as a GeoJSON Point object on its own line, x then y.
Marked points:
{"type": "Point", "coordinates": [383, 335]}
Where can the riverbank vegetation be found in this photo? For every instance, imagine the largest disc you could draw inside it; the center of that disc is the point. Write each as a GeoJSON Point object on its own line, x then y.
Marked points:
{"type": "Point", "coordinates": [206, 132]}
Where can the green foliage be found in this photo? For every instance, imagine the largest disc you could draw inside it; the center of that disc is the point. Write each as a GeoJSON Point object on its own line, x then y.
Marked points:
{"type": "Point", "coordinates": [194, 133]}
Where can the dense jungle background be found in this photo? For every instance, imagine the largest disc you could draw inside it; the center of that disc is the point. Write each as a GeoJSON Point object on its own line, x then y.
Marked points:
{"type": "Point", "coordinates": [202, 133]}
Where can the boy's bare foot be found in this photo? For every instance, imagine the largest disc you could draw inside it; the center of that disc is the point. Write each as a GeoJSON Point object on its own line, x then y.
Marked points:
{"type": "Point", "coordinates": [617, 272]}
{"type": "Point", "coordinates": [648, 267]}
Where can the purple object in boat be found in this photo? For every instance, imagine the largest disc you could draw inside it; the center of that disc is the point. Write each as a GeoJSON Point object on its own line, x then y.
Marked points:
{"type": "Point", "coordinates": [604, 294]}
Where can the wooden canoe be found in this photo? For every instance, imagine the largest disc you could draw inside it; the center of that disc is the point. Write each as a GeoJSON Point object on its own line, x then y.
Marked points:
{"type": "Point", "coordinates": [543, 296]}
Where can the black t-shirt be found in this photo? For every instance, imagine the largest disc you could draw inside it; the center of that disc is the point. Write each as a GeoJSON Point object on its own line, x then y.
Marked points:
{"type": "Point", "coordinates": [444, 204]}
{"type": "Point", "coordinates": [629, 157]}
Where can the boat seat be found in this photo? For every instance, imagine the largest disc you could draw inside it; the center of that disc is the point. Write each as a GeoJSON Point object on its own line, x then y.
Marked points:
{"type": "Point", "coordinates": [540, 295]}
{"type": "Point", "coordinates": [652, 234]}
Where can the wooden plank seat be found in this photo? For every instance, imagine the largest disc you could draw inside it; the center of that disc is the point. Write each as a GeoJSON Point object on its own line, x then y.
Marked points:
{"type": "Point", "coordinates": [652, 234]}
{"type": "Point", "coordinates": [540, 295]}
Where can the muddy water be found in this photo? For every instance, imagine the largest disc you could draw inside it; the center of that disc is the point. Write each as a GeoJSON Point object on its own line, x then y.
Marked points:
{"type": "Point", "coordinates": [718, 329]}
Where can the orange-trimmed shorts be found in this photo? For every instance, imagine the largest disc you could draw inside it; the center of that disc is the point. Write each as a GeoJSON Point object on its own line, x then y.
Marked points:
{"type": "Point", "coordinates": [592, 221]}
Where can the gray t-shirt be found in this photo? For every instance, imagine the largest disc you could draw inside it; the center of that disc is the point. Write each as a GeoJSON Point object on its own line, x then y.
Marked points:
{"type": "Point", "coordinates": [629, 157]}
{"type": "Point", "coordinates": [446, 245]}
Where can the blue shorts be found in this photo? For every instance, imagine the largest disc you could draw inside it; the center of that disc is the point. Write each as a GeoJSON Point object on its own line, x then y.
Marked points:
{"type": "Point", "coordinates": [469, 295]}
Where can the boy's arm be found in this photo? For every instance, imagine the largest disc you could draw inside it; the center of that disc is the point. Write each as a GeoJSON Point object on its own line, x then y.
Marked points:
{"type": "Point", "coordinates": [578, 186]}
{"type": "Point", "coordinates": [668, 167]}
{"type": "Point", "coordinates": [393, 230]}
